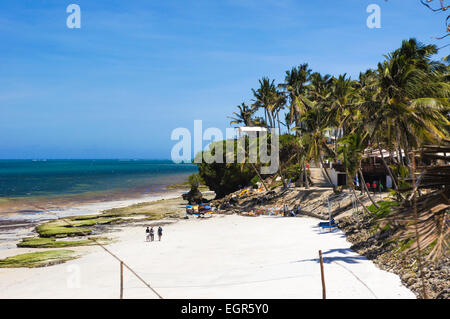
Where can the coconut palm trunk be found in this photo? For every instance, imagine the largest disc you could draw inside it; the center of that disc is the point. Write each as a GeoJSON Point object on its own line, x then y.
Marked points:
{"type": "Point", "coordinates": [280, 168]}
{"type": "Point", "coordinates": [260, 177]}
{"type": "Point", "coordinates": [306, 176]}
{"type": "Point", "coordinates": [326, 173]}
{"type": "Point", "coordinates": [352, 186]}
{"type": "Point", "coordinates": [367, 190]}
{"type": "Point", "coordinates": [265, 116]}
{"type": "Point", "coordinates": [394, 181]}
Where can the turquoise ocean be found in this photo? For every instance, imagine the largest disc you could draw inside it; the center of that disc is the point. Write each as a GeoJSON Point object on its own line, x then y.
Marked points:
{"type": "Point", "coordinates": [24, 178]}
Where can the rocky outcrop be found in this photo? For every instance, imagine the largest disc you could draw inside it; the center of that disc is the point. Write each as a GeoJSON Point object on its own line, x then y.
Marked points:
{"type": "Point", "coordinates": [194, 196]}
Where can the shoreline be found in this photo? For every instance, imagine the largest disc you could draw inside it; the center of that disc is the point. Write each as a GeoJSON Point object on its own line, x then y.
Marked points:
{"type": "Point", "coordinates": [14, 207]}
{"type": "Point", "coordinates": [15, 227]}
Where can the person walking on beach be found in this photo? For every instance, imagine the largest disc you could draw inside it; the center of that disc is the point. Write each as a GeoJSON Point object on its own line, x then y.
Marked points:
{"type": "Point", "coordinates": [285, 210]}
{"type": "Point", "coordinates": [147, 232]}
{"type": "Point", "coordinates": [152, 234]}
{"type": "Point", "coordinates": [159, 233]}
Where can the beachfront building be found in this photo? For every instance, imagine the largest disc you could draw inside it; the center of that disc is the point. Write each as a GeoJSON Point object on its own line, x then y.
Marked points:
{"type": "Point", "coordinates": [250, 129]}
{"type": "Point", "coordinates": [372, 166]}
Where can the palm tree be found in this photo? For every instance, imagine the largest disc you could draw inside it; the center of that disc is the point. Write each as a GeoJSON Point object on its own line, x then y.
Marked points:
{"type": "Point", "coordinates": [244, 115]}
{"type": "Point", "coordinates": [259, 121]}
{"type": "Point", "coordinates": [401, 105]}
{"type": "Point", "coordinates": [404, 102]}
{"type": "Point", "coordinates": [269, 99]}
{"type": "Point", "coordinates": [314, 122]}
{"type": "Point", "coordinates": [412, 96]}
{"type": "Point", "coordinates": [295, 87]}
{"type": "Point", "coordinates": [350, 152]}
{"type": "Point", "coordinates": [344, 101]}
{"type": "Point", "coordinates": [368, 108]}
{"type": "Point", "coordinates": [288, 121]}
{"type": "Point", "coordinates": [320, 87]}
{"type": "Point", "coordinates": [313, 135]}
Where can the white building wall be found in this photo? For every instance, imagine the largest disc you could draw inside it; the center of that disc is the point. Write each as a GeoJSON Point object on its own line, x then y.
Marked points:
{"type": "Point", "coordinates": [333, 175]}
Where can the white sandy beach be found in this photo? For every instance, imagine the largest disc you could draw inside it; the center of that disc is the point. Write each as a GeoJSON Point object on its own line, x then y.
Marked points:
{"type": "Point", "coordinates": [220, 257]}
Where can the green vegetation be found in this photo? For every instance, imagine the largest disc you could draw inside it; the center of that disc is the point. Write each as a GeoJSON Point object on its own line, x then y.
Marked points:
{"type": "Point", "coordinates": [75, 226]}
{"type": "Point", "coordinates": [58, 230]}
{"type": "Point", "coordinates": [151, 210]}
{"type": "Point", "coordinates": [399, 106]}
{"type": "Point", "coordinates": [276, 184]}
{"type": "Point", "coordinates": [93, 221]}
{"type": "Point", "coordinates": [36, 242]}
{"type": "Point", "coordinates": [256, 179]}
{"type": "Point", "coordinates": [155, 217]}
{"type": "Point", "coordinates": [245, 116]}
{"type": "Point", "coordinates": [117, 212]}
{"type": "Point", "coordinates": [83, 217]}
{"type": "Point", "coordinates": [38, 259]}
{"type": "Point", "coordinates": [384, 208]}
{"type": "Point", "coordinates": [194, 181]}
{"type": "Point", "coordinates": [224, 178]}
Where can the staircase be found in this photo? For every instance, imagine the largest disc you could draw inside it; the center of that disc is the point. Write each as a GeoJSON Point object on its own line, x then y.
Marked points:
{"type": "Point", "coordinates": [318, 177]}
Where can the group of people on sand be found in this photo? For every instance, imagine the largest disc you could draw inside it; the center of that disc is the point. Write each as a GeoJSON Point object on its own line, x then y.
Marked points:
{"type": "Point", "coordinates": [151, 233]}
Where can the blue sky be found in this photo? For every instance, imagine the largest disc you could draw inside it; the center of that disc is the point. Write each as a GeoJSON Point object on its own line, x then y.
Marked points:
{"type": "Point", "coordinates": [117, 87]}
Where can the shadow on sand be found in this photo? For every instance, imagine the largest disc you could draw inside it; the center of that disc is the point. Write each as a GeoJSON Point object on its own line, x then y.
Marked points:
{"type": "Point", "coordinates": [353, 258]}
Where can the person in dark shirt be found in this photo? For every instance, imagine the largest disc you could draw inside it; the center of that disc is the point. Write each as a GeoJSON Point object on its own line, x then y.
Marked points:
{"type": "Point", "coordinates": [147, 234]}
{"type": "Point", "coordinates": [152, 234]}
{"type": "Point", "coordinates": [160, 231]}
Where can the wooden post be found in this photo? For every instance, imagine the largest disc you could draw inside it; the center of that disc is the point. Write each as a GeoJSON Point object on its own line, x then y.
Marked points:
{"type": "Point", "coordinates": [324, 292]}
{"type": "Point", "coordinates": [121, 280]}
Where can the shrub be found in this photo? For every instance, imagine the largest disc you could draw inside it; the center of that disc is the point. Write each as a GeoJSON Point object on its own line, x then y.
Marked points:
{"type": "Point", "coordinates": [38, 259]}
{"type": "Point", "coordinates": [224, 178]}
